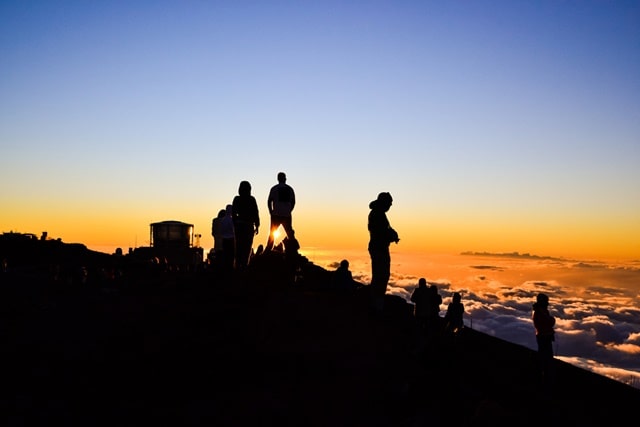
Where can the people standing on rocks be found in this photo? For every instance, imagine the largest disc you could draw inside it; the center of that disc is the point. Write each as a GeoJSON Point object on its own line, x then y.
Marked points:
{"type": "Point", "coordinates": [381, 235]}
{"type": "Point", "coordinates": [434, 321]}
{"type": "Point", "coordinates": [227, 231]}
{"type": "Point", "coordinates": [216, 232]}
{"type": "Point", "coordinates": [419, 297]}
{"type": "Point", "coordinates": [246, 222]}
{"type": "Point", "coordinates": [543, 323]}
{"type": "Point", "coordinates": [281, 202]}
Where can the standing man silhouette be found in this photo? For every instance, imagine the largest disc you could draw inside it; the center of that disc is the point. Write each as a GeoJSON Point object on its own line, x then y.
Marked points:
{"type": "Point", "coordinates": [543, 323]}
{"type": "Point", "coordinates": [281, 201]}
{"type": "Point", "coordinates": [380, 237]}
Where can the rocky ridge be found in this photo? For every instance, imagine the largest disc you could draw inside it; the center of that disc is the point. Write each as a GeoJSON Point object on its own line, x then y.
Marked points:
{"type": "Point", "coordinates": [274, 345]}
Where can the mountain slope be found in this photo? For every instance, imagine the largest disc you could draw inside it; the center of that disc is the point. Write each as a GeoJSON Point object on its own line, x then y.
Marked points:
{"type": "Point", "coordinates": [273, 345]}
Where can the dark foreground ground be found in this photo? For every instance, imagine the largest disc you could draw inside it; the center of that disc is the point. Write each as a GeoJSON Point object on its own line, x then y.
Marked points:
{"type": "Point", "coordinates": [270, 347]}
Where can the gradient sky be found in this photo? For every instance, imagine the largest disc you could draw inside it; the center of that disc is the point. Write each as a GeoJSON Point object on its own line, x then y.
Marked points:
{"type": "Point", "coordinates": [496, 125]}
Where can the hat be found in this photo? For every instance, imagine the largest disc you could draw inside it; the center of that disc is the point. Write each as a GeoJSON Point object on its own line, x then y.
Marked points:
{"type": "Point", "coordinates": [542, 299]}
{"type": "Point", "coordinates": [385, 197]}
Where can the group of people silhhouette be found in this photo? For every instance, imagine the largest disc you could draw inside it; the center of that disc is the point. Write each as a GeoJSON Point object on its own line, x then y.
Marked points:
{"type": "Point", "coordinates": [427, 302]}
{"type": "Point", "coordinates": [234, 228]}
{"type": "Point", "coordinates": [434, 330]}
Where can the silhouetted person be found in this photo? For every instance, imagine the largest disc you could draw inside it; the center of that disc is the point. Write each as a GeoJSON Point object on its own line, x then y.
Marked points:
{"type": "Point", "coordinates": [343, 278]}
{"type": "Point", "coordinates": [453, 318]}
{"type": "Point", "coordinates": [246, 221]}
{"type": "Point", "coordinates": [420, 298]}
{"type": "Point", "coordinates": [281, 201]}
{"type": "Point", "coordinates": [380, 237]}
{"type": "Point", "coordinates": [216, 232]}
{"type": "Point", "coordinates": [544, 322]}
{"type": "Point", "coordinates": [434, 322]}
{"type": "Point", "coordinates": [227, 232]}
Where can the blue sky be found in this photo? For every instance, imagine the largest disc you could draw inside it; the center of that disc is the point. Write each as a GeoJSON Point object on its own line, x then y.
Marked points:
{"type": "Point", "coordinates": [487, 119]}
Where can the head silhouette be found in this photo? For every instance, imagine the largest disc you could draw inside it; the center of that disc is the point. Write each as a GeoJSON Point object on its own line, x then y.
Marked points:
{"type": "Point", "coordinates": [245, 188]}
{"type": "Point", "coordinates": [385, 198]}
{"type": "Point", "coordinates": [383, 202]}
{"type": "Point", "coordinates": [282, 177]}
{"type": "Point", "coordinates": [542, 300]}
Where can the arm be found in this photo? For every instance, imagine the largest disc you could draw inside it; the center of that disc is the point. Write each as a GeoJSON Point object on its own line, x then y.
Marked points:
{"type": "Point", "coordinates": [293, 198]}
{"type": "Point", "coordinates": [270, 201]}
{"type": "Point", "coordinates": [256, 221]}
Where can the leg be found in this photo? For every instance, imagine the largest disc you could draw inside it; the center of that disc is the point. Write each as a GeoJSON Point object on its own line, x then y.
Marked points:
{"type": "Point", "coordinates": [288, 227]}
{"type": "Point", "coordinates": [380, 273]}
{"type": "Point", "coordinates": [244, 238]}
{"type": "Point", "coordinates": [275, 223]}
{"type": "Point", "coordinates": [228, 255]}
{"type": "Point", "coordinates": [545, 360]}
{"type": "Point", "coordinates": [291, 245]}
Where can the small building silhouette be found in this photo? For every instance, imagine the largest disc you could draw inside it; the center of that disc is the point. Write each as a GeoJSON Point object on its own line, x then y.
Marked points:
{"type": "Point", "coordinates": [171, 235]}
{"type": "Point", "coordinates": [172, 242]}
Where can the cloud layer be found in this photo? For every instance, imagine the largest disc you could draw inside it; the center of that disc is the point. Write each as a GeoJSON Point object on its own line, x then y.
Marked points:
{"type": "Point", "coordinates": [596, 304]}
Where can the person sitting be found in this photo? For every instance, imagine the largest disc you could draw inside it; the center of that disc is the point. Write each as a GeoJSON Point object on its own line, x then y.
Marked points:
{"type": "Point", "coordinates": [343, 278]}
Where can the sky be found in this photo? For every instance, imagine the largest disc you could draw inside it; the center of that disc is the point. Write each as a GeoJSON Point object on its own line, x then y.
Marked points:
{"type": "Point", "coordinates": [497, 126]}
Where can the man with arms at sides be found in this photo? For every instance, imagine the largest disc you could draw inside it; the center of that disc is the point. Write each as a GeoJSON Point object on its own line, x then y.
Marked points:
{"type": "Point", "coordinates": [281, 201]}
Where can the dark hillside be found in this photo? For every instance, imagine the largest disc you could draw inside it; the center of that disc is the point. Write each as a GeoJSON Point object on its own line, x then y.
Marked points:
{"type": "Point", "coordinates": [273, 346]}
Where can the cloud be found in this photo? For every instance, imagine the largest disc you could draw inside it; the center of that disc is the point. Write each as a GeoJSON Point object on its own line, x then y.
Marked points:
{"type": "Point", "coordinates": [631, 349]}
{"type": "Point", "coordinates": [596, 306]}
{"type": "Point", "coordinates": [486, 267]}
{"type": "Point", "coordinates": [626, 376]}
{"type": "Point", "coordinates": [634, 338]}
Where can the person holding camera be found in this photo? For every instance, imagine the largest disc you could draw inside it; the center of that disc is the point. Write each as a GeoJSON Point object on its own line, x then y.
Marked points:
{"type": "Point", "coordinates": [381, 235]}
